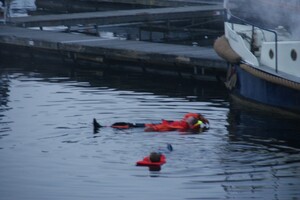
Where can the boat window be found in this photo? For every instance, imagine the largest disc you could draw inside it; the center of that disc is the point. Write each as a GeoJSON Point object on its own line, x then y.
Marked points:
{"type": "Point", "coordinates": [294, 55]}
{"type": "Point", "coordinates": [271, 53]}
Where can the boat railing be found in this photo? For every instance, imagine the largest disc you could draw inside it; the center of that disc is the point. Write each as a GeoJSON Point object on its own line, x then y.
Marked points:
{"type": "Point", "coordinates": [235, 19]}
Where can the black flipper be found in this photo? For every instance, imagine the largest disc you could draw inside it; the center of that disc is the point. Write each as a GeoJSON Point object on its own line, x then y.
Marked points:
{"type": "Point", "coordinates": [96, 125]}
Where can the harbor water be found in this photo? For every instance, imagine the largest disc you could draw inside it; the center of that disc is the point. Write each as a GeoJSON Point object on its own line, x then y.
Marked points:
{"type": "Point", "coordinates": [49, 150]}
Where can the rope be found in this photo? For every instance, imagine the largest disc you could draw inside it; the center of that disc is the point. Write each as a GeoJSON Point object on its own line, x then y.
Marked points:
{"type": "Point", "coordinates": [271, 78]}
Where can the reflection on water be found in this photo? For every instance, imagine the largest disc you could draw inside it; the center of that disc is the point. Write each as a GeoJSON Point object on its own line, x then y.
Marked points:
{"type": "Point", "coordinates": [48, 149]}
{"type": "Point", "coordinates": [276, 128]}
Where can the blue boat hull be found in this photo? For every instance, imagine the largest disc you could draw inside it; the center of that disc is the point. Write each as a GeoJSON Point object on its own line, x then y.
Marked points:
{"type": "Point", "coordinates": [260, 90]}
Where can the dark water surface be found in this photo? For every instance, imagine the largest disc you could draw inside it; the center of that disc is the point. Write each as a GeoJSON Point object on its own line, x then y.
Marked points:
{"type": "Point", "coordinates": [48, 149]}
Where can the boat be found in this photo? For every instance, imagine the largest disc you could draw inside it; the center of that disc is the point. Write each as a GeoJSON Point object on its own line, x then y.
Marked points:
{"type": "Point", "coordinates": [263, 52]}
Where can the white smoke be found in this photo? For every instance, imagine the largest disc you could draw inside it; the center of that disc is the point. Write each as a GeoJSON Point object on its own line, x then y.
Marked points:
{"type": "Point", "coordinates": [272, 13]}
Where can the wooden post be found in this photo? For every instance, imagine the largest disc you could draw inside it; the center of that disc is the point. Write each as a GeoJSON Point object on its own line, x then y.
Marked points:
{"type": "Point", "coordinates": [140, 34]}
{"type": "Point", "coordinates": [97, 30]}
{"type": "Point", "coordinates": [195, 70]}
{"type": "Point", "coordinates": [150, 36]}
{"type": "Point", "coordinates": [202, 71]}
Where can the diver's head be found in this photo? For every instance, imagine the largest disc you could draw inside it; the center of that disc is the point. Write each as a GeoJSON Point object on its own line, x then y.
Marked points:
{"type": "Point", "coordinates": [198, 116]}
{"type": "Point", "coordinates": [155, 157]}
{"type": "Point", "coordinates": [193, 122]}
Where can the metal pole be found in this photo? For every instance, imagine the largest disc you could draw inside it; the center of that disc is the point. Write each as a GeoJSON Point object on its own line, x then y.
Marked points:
{"type": "Point", "coordinates": [276, 53]}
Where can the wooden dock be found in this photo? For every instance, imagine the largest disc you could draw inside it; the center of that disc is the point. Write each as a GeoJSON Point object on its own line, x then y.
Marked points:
{"type": "Point", "coordinates": [180, 60]}
{"type": "Point", "coordinates": [118, 17]}
{"type": "Point", "coordinates": [101, 5]}
{"type": "Point", "coordinates": [164, 3]}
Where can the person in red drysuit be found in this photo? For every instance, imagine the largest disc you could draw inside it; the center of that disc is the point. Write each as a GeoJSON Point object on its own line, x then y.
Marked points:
{"type": "Point", "coordinates": [191, 122]}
